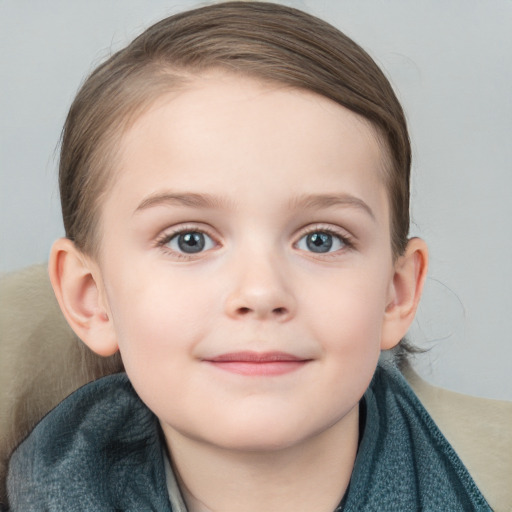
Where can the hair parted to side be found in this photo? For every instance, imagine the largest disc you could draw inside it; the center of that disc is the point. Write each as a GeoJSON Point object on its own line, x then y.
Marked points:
{"type": "Point", "coordinates": [263, 40]}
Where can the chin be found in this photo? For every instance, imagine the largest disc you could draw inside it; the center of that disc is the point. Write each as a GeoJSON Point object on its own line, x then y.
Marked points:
{"type": "Point", "coordinates": [262, 442]}
{"type": "Point", "coordinates": [262, 435]}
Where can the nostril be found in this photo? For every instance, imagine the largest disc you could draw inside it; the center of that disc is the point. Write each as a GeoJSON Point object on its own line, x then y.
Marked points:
{"type": "Point", "coordinates": [276, 311]}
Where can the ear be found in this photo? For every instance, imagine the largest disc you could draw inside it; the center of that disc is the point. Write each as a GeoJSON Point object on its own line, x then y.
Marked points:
{"type": "Point", "coordinates": [409, 276]}
{"type": "Point", "coordinates": [76, 281]}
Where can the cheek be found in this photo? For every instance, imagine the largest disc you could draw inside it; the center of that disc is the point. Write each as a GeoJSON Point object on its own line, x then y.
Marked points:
{"type": "Point", "coordinates": [157, 334]}
{"type": "Point", "coordinates": [348, 322]}
{"type": "Point", "coordinates": [157, 318]}
{"type": "Point", "coordinates": [349, 330]}
{"type": "Point", "coordinates": [349, 312]}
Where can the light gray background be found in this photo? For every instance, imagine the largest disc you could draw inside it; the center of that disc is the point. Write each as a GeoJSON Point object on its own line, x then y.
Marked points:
{"type": "Point", "coordinates": [450, 62]}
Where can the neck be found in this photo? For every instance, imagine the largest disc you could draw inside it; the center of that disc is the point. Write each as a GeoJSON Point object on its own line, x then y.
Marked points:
{"type": "Point", "coordinates": [312, 475]}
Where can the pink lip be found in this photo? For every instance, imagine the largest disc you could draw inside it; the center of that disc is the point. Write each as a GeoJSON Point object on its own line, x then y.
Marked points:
{"type": "Point", "coordinates": [258, 363]}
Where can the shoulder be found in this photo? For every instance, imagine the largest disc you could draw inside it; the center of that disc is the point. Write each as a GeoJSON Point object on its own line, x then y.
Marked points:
{"type": "Point", "coordinates": [479, 431]}
{"type": "Point", "coordinates": [99, 448]}
{"type": "Point", "coordinates": [404, 462]}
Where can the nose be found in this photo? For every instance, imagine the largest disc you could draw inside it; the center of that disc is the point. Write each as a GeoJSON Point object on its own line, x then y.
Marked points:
{"type": "Point", "coordinates": [260, 290]}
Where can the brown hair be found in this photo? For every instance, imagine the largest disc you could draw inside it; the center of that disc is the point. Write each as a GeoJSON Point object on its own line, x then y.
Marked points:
{"type": "Point", "coordinates": [264, 40]}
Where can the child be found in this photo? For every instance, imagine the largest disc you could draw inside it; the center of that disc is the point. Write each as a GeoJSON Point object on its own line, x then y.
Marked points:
{"type": "Point", "coordinates": [235, 193]}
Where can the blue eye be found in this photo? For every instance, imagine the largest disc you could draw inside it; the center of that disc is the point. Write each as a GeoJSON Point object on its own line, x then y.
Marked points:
{"type": "Point", "coordinates": [321, 242]}
{"type": "Point", "coordinates": [190, 242]}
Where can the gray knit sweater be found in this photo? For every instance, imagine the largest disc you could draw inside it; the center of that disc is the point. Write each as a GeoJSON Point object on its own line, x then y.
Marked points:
{"type": "Point", "coordinates": [101, 450]}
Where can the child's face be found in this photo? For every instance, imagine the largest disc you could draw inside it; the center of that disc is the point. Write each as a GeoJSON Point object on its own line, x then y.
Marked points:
{"type": "Point", "coordinates": [246, 261]}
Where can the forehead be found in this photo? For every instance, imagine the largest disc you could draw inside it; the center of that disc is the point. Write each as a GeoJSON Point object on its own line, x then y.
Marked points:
{"type": "Point", "coordinates": [234, 135]}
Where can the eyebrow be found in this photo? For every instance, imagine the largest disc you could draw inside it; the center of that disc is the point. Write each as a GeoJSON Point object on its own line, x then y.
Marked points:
{"type": "Point", "coordinates": [192, 200]}
{"type": "Point", "coordinates": [307, 201]}
{"type": "Point", "coordinates": [317, 201]}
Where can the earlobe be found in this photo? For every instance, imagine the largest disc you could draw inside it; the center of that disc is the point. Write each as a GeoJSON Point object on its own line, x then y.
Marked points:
{"type": "Point", "coordinates": [408, 279]}
{"type": "Point", "coordinates": [77, 285]}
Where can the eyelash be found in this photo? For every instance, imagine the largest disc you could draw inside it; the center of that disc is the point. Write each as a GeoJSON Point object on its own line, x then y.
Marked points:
{"type": "Point", "coordinates": [161, 242]}
{"type": "Point", "coordinates": [166, 237]}
{"type": "Point", "coordinates": [346, 239]}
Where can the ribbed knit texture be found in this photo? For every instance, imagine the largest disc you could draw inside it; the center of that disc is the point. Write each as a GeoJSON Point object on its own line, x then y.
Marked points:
{"type": "Point", "coordinates": [404, 463]}
{"type": "Point", "coordinates": [98, 450]}
{"type": "Point", "coordinates": [101, 450]}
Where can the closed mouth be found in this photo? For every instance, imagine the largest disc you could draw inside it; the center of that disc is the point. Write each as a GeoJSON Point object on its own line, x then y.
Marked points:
{"type": "Point", "coordinates": [258, 363]}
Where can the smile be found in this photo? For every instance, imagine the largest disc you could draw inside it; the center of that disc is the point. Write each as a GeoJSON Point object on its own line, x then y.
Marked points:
{"type": "Point", "coordinates": [258, 363]}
